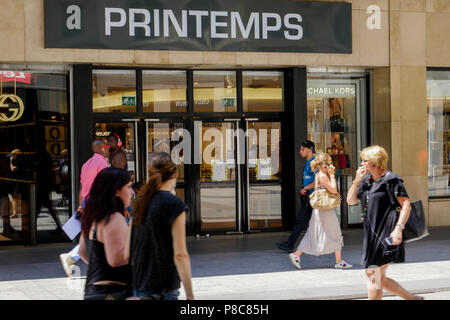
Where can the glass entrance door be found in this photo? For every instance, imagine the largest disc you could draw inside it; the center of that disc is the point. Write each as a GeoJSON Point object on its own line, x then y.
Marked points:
{"type": "Point", "coordinates": [263, 169]}
{"type": "Point", "coordinates": [127, 132]}
{"type": "Point", "coordinates": [170, 137]}
{"type": "Point", "coordinates": [220, 193]}
{"type": "Point", "coordinates": [240, 175]}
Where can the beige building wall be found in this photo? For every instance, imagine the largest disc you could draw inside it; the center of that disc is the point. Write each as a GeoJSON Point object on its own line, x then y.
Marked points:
{"type": "Point", "coordinates": [23, 42]}
{"type": "Point", "coordinates": [414, 35]}
{"type": "Point", "coordinates": [419, 38]}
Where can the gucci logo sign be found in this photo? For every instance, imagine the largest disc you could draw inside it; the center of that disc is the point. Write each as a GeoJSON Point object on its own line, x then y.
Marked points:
{"type": "Point", "coordinates": [10, 103]}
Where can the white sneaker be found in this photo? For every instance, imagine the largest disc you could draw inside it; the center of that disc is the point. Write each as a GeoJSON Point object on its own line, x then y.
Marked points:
{"type": "Point", "coordinates": [295, 260]}
{"type": "Point", "coordinates": [343, 265]}
{"type": "Point", "coordinates": [67, 263]}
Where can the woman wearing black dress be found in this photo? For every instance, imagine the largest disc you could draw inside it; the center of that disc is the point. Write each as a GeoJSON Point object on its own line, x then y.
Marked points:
{"type": "Point", "coordinates": [376, 188]}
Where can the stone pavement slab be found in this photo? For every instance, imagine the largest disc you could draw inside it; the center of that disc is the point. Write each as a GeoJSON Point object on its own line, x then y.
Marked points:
{"type": "Point", "coordinates": [242, 268]}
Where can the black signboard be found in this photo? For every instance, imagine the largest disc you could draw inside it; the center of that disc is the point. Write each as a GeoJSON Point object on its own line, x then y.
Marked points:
{"type": "Point", "coordinates": [206, 25]}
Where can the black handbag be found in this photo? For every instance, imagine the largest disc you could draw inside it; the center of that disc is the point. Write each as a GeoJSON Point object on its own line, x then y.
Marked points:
{"type": "Point", "coordinates": [416, 226]}
{"type": "Point", "coordinates": [337, 123]}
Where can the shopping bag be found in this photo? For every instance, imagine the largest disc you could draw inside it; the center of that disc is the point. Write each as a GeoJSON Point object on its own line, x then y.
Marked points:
{"type": "Point", "coordinates": [416, 226]}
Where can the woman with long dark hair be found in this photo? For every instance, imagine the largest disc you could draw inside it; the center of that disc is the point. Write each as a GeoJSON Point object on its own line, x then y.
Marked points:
{"type": "Point", "coordinates": [160, 257]}
{"type": "Point", "coordinates": [105, 236]}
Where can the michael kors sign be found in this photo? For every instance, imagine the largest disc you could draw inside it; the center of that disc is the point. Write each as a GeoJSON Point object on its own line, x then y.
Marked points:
{"type": "Point", "coordinates": [215, 25]}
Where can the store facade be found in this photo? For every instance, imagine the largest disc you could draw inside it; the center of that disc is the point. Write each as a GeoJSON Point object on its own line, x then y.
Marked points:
{"type": "Point", "coordinates": [222, 89]}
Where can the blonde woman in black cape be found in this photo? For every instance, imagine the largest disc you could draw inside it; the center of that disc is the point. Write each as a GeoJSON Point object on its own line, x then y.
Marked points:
{"type": "Point", "coordinates": [324, 233]}
{"type": "Point", "coordinates": [376, 188]}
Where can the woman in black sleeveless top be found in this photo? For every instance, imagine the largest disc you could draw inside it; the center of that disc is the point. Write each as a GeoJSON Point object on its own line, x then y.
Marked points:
{"type": "Point", "coordinates": [160, 257]}
{"type": "Point", "coordinates": [105, 240]}
{"type": "Point", "coordinates": [376, 188]}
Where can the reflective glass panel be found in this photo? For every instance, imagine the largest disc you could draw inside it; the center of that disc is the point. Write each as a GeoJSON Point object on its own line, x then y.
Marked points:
{"type": "Point", "coordinates": [35, 167]}
{"type": "Point", "coordinates": [114, 91]}
{"type": "Point", "coordinates": [262, 91]}
{"type": "Point", "coordinates": [125, 131]}
{"type": "Point", "coordinates": [218, 176]}
{"type": "Point", "coordinates": [264, 173]}
{"type": "Point", "coordinates": [438, 103]}
{"type": "Point", "coordinates": [215, 91]}
{"type": "Point", "coordinates": [168, 138]}
{"type": "Point", "coordinates": [164, 91]}
{"type": "Point", "coordinates": [334, 125]}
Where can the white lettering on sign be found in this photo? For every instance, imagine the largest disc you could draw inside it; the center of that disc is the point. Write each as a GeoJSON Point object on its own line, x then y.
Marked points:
{"type": "Point", "coordinates": [289, 25]}
{"type": "Point", "coordinates": [156, 22]}
{"type": "Point", "coordinates": [220, 21]}
{"type": "Point", "coordinates": [216, 24]}
{"type": "Point", "coordinates": [374, 20]}
{"type": "Point", "coordinates": [181, 31]}
{"type": "Point", "coordinates": [73, 22]}
{"type": "Point", "coordinates": [245, 31]}
{"type": "Point", "coordinates": [265, 25]}
{"type": "Point", "coordinates": [12, 74]}
{"type": "Point", "coordinates": [116, 24]}
{"type": "Point", "coordinates": [16, 76]}
{"type": "Point", "coordinates": [331, 91]}
{"type": "Point", "coordinates": [102, 133]}
{"type": "Point", "coordinates": [143, 24]}
{"type": "Point", "coordinates": [198, 19]}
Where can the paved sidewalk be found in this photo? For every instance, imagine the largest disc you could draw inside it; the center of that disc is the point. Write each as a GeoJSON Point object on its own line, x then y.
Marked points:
{"type": "Point", "coordinates": [243, 267]}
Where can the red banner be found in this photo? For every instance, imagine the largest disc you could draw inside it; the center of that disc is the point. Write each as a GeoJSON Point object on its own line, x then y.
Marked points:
{"type": "Point", "coordinates": [11, 76]}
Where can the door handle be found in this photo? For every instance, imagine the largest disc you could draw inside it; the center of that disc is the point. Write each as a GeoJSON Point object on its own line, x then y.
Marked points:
{"type": "Point", "coordinates": [232, 119]}
{"type": "Point", "coordinates": [130, 120]}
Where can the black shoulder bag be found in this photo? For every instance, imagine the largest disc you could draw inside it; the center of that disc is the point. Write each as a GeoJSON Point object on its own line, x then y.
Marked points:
{"type": "Point", "coordinates": [416, 226]}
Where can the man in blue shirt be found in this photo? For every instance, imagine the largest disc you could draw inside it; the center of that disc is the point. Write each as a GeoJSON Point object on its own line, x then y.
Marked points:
{"type": "Point", "coordinates": [307, 150]}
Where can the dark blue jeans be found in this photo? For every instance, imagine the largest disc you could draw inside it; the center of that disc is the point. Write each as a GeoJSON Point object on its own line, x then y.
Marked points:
{"type": "Point", "coordinates": [301, 222]}
{"type": "Point", "coordinates": [171, 295]}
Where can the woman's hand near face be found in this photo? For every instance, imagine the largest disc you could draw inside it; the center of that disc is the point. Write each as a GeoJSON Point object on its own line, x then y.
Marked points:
{"type": "Point", "coordinates": [360, 174]}
{"type": "Point", "coordinates": [331, 170]}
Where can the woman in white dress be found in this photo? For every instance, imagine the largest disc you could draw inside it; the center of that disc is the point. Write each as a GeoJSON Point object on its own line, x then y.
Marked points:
{"type": "Point", "coordinates": [324, 233]}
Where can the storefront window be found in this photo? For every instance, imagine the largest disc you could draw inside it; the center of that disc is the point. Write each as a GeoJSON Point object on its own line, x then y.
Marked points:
{"type": "Point", "coordinates": [114, 90]}
{"type": "Point", "coordinates": [164, 91]}
{"type": "Point", "coordinates": [438, 103]}
{"type": "Point", "coordinates": [334, 110]}
{"type": "Point", "coordinates": [215, 91]}
{"type": "Point", "coordinates": [262, 91]}
{"type": "Point", "coordinates": [34, 155]}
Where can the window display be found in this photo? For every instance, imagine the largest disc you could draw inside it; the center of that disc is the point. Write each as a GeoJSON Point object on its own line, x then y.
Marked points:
{"type": "Point", "coordinates": [438, 103]}
{"type": "Point", "coordinates": [34, 156]}
{"type": "Point", "coordinates": [332, 121]}
{"type": "Point", "coordinates": [335, 106]}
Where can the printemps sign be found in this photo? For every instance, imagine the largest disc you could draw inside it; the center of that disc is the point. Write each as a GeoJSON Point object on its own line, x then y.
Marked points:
{"type": "Point", "coordinates": [205, 25]}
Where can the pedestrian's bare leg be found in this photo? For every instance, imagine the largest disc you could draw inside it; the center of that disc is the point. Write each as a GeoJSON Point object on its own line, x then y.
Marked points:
{"type": "Point", "coordinates": [14, 205]}
{"type": "Point", "coordinates": [393, 287]}
{"type": "Point", "coordinates": [338, 256]}
{"type": "Point", "coordinates": [374, 286]}
{"type": "Point", "coordinates": [298, 253]}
